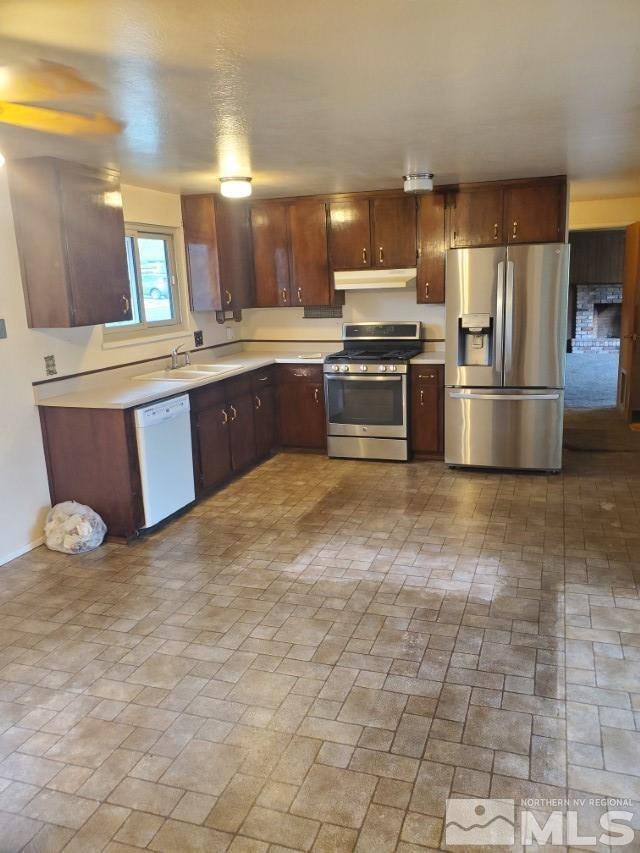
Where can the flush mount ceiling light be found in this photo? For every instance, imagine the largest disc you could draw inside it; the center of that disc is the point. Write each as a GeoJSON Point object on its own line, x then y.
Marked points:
{"type": "Point", "coordinates": [235, 187]}
{"type": "Point", "coordinates": [418, 182]}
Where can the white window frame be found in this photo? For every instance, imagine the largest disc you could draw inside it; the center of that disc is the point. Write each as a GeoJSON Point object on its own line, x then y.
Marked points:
{"type": "Point", "coordinates": [145, 328]}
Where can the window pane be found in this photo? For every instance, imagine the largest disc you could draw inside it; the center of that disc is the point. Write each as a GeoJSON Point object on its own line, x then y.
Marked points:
{"type": "Point", "coordinates": [156, 284]}
{"type": "Point", "coordinates": [133, 290]}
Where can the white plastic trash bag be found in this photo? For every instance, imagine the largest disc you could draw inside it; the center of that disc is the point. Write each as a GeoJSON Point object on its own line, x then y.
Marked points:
{"type": "Point", "coordinates": [73, 528]}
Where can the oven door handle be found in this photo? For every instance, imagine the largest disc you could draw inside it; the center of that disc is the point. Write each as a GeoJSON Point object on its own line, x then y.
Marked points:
{"type": "Point", "coordinates": [356, 378]}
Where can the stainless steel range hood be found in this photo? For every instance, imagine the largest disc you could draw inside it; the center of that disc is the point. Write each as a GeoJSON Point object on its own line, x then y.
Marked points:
{"type": "Point", "coordinates": [397, 279]}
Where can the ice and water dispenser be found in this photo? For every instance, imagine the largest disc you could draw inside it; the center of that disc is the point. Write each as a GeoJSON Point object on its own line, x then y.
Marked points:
{"type": "Point", "coordinates": [475, 340]}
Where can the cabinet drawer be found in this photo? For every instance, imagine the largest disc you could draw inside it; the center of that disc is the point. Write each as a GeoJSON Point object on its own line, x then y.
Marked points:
{"type": "Point", "coordinates": [237, 386]}
{"type": "Point", "coordinates": [300, 373]}
{"type": "Point", "coordinates": [427, 374]}
{"type": "Point", "coordinates": [203, 398]}
{"type": "Point", "coordinates": [262, 378]}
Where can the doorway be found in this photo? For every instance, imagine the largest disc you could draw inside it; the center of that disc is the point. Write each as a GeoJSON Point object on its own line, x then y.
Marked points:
{"type": "Point", "coordinates": [595, 301]}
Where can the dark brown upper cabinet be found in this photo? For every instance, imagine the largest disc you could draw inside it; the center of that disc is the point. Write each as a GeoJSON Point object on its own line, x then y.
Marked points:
{"type": "Point", "coordinates": [393, 232]}
{"type": "Point", "coordinates": [270, 235]}
{"type": "Point", "coordinates": [535, 214]}
{"type": "Point", "coordinates": [310, 281]}
{"type": "Point", "coordinates": [378, 232]}
{"type": "Point", "coordinates": [218, 247]}
{"type": "Point", "coordinates": [476, 217]}
{"type": "Point", "coordinates": [350, 234]}
{"type": "Point", "coordinates": [520, 211]}
{"type": "Point", "coordinates": [71, 243]}
{"type": "Point", "coordinates": [431, 248]}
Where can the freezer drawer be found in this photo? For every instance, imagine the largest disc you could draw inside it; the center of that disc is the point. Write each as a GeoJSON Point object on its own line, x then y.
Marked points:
{"type": "Point", "coordinates": [504, 428]}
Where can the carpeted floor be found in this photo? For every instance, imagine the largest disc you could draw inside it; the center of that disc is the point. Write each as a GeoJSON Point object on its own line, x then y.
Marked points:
{"type": "Point", "coordinates": [591, 380]}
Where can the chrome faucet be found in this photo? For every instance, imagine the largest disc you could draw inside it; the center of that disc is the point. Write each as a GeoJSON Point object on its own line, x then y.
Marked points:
{"type": "Point", "coordinates": [175, 352]}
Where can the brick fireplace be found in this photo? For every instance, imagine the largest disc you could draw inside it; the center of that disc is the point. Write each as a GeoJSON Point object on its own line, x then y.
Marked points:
{"type": "Point", "coordinates": [597, 318]}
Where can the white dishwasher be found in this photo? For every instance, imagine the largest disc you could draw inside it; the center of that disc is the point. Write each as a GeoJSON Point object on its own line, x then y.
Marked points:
{"type": "Point", "coordinates": [163, 432]}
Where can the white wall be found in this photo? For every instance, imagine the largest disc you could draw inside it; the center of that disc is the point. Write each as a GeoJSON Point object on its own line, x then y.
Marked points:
{"type": "Point", "coordinates": [24, 494]}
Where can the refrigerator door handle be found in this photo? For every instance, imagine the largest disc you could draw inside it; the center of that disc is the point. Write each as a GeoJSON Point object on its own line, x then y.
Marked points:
{"type": "Point", "coordinates": [499, 345]}
{"type": "Point", "coordinates": [508, 320]}
{"type": "Point", "coordinates": [462, 395]}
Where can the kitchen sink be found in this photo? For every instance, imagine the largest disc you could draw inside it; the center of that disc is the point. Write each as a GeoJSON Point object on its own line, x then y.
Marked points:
{"type": "Point", "coordinates": [188, 373]}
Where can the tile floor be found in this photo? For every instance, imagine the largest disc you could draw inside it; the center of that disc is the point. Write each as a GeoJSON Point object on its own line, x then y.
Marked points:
{"type": "Point", "coordinates": [319, 655]}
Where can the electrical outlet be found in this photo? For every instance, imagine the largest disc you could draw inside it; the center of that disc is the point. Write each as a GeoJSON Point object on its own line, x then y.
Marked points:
{"type": "Point", "coordinates": [230, 333]}
{"type": "Point", "coordinates": [198, 338]}
{"type": "Point", "coordinates": [50, 365]}
{"type": "Point", "coordinates": [3, 329]}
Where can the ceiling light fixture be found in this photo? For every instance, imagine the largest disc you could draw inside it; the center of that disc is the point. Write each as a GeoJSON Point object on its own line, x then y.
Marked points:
{"type": "Point", "coordinates": [418, 182]}
{"type": "Point", "coordinates": [235, 187]}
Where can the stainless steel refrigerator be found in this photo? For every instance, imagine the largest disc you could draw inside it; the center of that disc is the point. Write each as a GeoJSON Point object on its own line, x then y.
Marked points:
{"type": "Point", "coordinates": [506, 330]}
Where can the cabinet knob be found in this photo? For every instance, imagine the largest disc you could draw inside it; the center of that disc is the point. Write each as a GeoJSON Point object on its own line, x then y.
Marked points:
{"type": "Point", "coordinates": [381, 255]}
{"type": "Point", "coordinates": [227, 297]}
{"type": "Point", "coordinates": [514, 233]}
{"type": "Point", "coordinates": [225, 417]}
{"type": "Point", "coordinates": [126, 305]}
{"type": "Point", "coordinates": [495, 230]}
{"type": "Point", "coordinates": [258, 402]}
{"type": "Point", "coordinates": [234, 413]}
{"type": "Point", "coordinates": [300, 295]}
{"type": "Point", "coordinates": [364, 256]}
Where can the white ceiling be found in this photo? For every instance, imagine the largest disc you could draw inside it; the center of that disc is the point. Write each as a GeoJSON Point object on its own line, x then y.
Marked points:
{"type": "Point", "coordinates": [325, 95]}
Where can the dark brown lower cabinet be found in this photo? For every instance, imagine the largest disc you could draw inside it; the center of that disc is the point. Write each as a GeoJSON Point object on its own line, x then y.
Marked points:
{"type": "Point", "coordinates": [265, 419]}
{"type": "Point", "coordinates": [211, 448]}
{"type": "Point", "coordinates": [301, 412]}
{"type": "Point", "coordinates": [242, 431]}
{"type": "Point", "coordinates": [92, 458]}
{"type": "Point", "coordinates": [427, 409]}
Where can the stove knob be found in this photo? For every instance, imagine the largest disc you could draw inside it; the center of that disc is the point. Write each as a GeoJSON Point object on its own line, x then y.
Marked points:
{"type": "Point", "coordinates": [335, 367]}
{"type": "Point", "coordinates": [363, 368]}
{"type": "Point", "coordinates": [382, 368]}
{"type": "Point", "coordinates": [393, 368]}
{"type": "Point", "coordinates": [344, 368]}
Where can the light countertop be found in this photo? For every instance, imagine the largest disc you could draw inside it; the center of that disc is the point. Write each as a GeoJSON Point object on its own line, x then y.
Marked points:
{"type": "Point", "coordinates": [130, 391]}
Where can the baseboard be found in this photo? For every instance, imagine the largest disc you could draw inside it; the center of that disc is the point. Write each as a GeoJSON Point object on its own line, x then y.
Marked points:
{"type": "Point", "coordinates": [13, 555]}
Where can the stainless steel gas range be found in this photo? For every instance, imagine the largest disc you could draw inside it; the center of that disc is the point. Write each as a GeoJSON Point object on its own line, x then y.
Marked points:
{"type": "Point", "coordinates": [366, 391]}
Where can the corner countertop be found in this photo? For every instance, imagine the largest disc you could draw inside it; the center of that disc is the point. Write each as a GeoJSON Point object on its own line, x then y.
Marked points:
{"type": "Point", "coordinates": [131, 391]}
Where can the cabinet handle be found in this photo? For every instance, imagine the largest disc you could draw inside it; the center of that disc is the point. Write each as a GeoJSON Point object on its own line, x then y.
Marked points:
{"type": "Point", "coordinates": [381, 255]}
{"type": "Point", "coordinates": [300, 295]}
{"type": "Point", "coordinates": [495, 230]}
{"type": "Point", "coordinates": [284, 294]}
{"type": "Point", "coordinates": [126, 305]}
{"type": "Point", "coordinates": [426, 290]}
{"type": "Point", "coordinates": [455, 236]}
{"type": "Point", "coordinates": [227, 297]}
{"type": "Point", "coordinates": [316, 397]}
{"type": "Point", "coordinates": [234, 413]}
{"type": "Point", "coordinates": [422, 398]}
{"type": "Point", "coordinates": [263, 378]}
{"type": "Point", "coordinates": [426, 376]}
{"type": "Point", "coordinates": [364, 256]}
{"type": "Point", "coordinates": [225, 417]}
{"type": "Point", "coordinates": [515, 229]}
{"type": "Point", "coordinates": [258, 402]}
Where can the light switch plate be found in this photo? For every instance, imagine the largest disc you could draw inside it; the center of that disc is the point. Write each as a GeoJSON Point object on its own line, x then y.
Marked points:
{"type": "Point", "coordinates": [50, 365]}
{"type": "Point", "coordinates": [3, 329]}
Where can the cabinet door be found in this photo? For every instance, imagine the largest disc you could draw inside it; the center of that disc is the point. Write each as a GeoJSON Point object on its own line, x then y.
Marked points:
{"type": "Point", "coordinates": [264, 416]}
{"type": "Point", "coordinates": [393, 224]}
{"type": "Point", "coordinates": [242, 431]}
{"type": "Point", "coordinates": [95, 245]}
{"type": "Point", "coordinates": [203, 272]}
{"type": "Point", "coordinates": [476, 218]}
{"type": "Point", "coordinates": [301, 417]}
{"type": "Point", "coordinates": [270, 255]}
{"type": "Point", "coordinates": [233, 233]}
{"type": "Point", "coordinates": [349, 234]}
{"type": "Point", "coordinates": [427, 416]}
{"type": "Point", "coordinates": [431, 248]}
{"type": "Point", "coordinates": [310, 282]}
{"type": "Point", "coordinates": [211, 446]}
{"type": "Point", "coordinates": [535, 214]}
